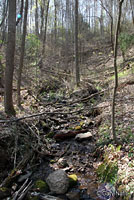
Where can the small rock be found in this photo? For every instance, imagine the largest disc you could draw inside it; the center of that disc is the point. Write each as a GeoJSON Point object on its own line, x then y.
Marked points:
{"type": "Point", "coordinates": [83, 136]}
{"type": "Point", "coordinates": [49, 197]}
{"type": "Point", "coordinates": [58, 182]}
{"type": "Point", "coordinates": [62, 163]}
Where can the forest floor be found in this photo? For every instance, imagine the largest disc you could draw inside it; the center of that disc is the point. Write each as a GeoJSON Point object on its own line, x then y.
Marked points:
{"type": "Point", "coordinates": [69, 128]}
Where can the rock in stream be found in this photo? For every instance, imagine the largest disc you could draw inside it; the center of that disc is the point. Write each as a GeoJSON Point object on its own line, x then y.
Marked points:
{"type": "Point", "coordinates": [58, 182]}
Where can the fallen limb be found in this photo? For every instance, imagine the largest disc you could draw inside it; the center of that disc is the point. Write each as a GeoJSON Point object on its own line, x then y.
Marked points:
{"type": "Point", "coordinates": [68, 135]}
{"type": "Point", "coordinates": [39, 114]}
{"type": "Point", "coordinates": [89, 97]}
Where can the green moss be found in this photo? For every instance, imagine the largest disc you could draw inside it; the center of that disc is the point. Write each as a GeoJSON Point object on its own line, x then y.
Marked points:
{"type": "Point", "coordinates": [121, 74]}
{"type": "Point", "coordinates": [73, 179]}
{"type": "Point", "coordinates": [41, 186]}
{"type": "Point", "coordinates": [52, 161]}
{"type": "Point", "coordinates": [108, 170]}
{"type": "Point", "coordinates": [4, 189]}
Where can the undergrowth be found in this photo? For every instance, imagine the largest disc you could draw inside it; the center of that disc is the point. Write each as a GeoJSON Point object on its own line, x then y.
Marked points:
{"type": "Point", "coordinates": [117, 169]}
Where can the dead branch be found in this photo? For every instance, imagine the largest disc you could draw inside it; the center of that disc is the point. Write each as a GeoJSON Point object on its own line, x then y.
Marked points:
{"type": "Point", "coordinates": [89, 97]}
{"type": "Point", "coordinates": [20, 194]}
{"type": "Point", "coordinates": [37, 115]}
{"type": "Point", "coordinates": [68, 135]}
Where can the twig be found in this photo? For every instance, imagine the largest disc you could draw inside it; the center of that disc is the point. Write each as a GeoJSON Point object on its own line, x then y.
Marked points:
{"type": "Point", "coordinates": [23, 190]}
{"type": "Point", "coordinates": [26, 189]}
{"type": "Point", "coordinates": [15, 151]}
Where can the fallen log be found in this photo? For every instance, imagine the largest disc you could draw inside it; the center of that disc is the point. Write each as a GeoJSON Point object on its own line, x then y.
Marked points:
{"type": "Point", "coordinates": [69, 134]}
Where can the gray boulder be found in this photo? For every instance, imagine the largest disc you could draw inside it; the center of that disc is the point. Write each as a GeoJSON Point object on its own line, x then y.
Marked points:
{"type": "Point", "coordinates": [58, 182]}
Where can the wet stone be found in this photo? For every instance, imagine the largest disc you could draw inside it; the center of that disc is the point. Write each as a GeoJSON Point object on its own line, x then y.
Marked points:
{"type": "Point", "coordinates": [83, 136]}
{"type": "Point", "coordinates": [58, 182]}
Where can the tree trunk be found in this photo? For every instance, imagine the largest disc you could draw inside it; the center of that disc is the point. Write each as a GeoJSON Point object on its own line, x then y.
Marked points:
{"type": "Point", "coordinates": [67, 34]}
{"type": "Point", "coordinates": [45, 32]}
{"type": "Point", "coordinates": [5, 6]}
{"type": "Point", "coordinates": [132, 8]}
{"type": "Point", "coordinates": [22, 55]}
{"type": "Point", "coordinates": [55, 24]}
{"type": "Point", "coordinates": [42, 8]}
{"type": "Point", "coordinates": [102, 23]}
{"type": "Point", "coordinates": [36, 20]}
{"type": "Point", "coordinates": [10, 51]}
{"type": "Point", "coordinates": [3, 23]}
{"type": "Point", "coordinates": [116, 72]}
{"type": "Point", "coordinates": [77, 71]}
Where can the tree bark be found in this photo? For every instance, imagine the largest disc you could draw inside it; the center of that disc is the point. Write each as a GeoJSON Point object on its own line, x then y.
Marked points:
{"type": "Point", "coordinates": [10, 51]}
{"type": "Point", "coordinates": [22, 55]}
{"type": "Point", "coordinates": [42, 9]}
{"type": "Point", "coordinates": [132, 8]}
{"type": "Point", "coordinates": [5, 8]}
{"type": "Point", "coordinates": [36, 20]}
{"type": "Point", "coordinates": [77, 71]}
{"type": "Point", "coordinates": [116, 72]}
{"type": "Point", "coordinates": [45, 32]}
{"type": "Point", "coordinates": [3, 23]}
{"type": "Point", "coordinates": [55, 24]}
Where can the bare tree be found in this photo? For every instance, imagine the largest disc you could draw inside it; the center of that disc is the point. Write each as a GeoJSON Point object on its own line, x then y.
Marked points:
{"type": "Point", "coordinates": [3, 24]}
{"type": "Point", "coordinates": [5, 8]}
{"type": "Point", "coordinates": [8, 100]}
{"type": "Point", "coordinates": [116, 72]}
{"type": "Point", "coordinates": [45, 31]}
{"type": "Point", "coordinates": [132, 10]}
{"type": "Point", "coordinates": [22, 54]}
{"type": "Point", "coordinates": [42, 8]}
{"type": "Point", "coordinates": [36, 19]}
{"type": "Point", "coordinates": [111, 19]}
{"type": "Point", "coordinates": [77, 71]}
{"type": "Point", "coordinates": [55, 23]}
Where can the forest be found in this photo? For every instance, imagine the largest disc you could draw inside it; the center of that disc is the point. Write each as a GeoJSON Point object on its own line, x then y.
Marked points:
{"type": "Point", "coordinates": [67, 100]}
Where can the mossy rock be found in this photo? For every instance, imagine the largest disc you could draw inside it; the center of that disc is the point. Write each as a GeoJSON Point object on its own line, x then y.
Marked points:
{"type": "Point", "coordinates": [41, 186]}
{"type": "Point", "coordinates": [73, 179]}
